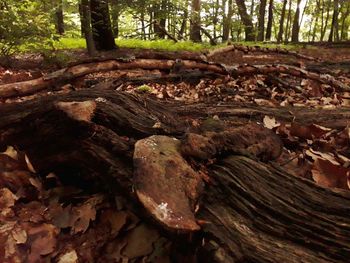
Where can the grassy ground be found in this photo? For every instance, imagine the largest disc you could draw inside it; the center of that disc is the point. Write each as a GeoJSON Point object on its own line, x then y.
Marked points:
{"type": "Point", "coordinates": [73, 43]}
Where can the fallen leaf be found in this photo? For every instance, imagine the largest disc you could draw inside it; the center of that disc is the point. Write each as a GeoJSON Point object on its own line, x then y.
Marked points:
{"type": "Point", "coordinates": [327, 174]}
{"type": "Point", "coordinates": [270, 122]}
{"type": "Point", "coordinates": [140, 241]}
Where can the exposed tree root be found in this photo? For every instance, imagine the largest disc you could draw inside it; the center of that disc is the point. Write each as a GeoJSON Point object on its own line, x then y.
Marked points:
{"type": "Point", "coordinates": [60, 77]}
{"type": "Point", "coordinates": [248, 212]}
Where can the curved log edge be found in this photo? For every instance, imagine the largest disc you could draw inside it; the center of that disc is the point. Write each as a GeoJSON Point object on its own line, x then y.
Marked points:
{"type": "Point", "coordinates": [65, 75]}
{"type": "Point", "coordinates": [249, 49]}
{"type": "Point", "coordinates": [248, 211]}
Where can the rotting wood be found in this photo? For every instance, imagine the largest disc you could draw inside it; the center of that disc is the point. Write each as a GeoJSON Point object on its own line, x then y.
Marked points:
{"type": "Point", "coordinates": [249, 212]}
{"type": "Point", "coordinates": [248, 49]}
{"type": "Point", "coordinates": [67, 74]}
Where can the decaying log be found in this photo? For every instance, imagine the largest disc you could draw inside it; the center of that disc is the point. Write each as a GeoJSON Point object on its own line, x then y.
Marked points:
{"type": "Point", "coordinates": [60, 77]}
{"type": "Point", "coordinates": [249, 211]}
{"type": "Point", "coordinates": [248, 49]}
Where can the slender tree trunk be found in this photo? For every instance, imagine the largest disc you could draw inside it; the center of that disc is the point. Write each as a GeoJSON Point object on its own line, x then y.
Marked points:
{"type": "Point", "coordinates": [101, 25]}
{"type": "Point", "coordinates": [115, 17]}
{"type": "Point", "coordinates": [160, 18]}
{"type": "Point", "coordinates": [252, 8]}
{"type": "Point", "coordinates": [246, 20]}
{"type": "Point", "coordinates": [344, 27]}
{"type": "Point", "coordinates": [269, 22]}
{"type": "Point", "coordinates": [59, 18]}
{"type": "Point", "coordinates": [227, 22]}
{"type": "Point", "coordinates": [289, 22]}
{"type": "Point", "coordinates": [82, 29]}
{"type": "Point", "coordinates": [296, 25]}
{"type": "Point", "coordinates": [324, 29]}
{"type": "Point", "coordinates": [86, 26]}
{"type": "Point", "coordinates": [334, 33]}
{"type": "Point", "coordinates": [283, 14]}
{"type": "Point", "coordinates": [184, 22]}
{"type": "Point", "coordinates": [215, 17]}
{"type": "Point", "coordinates": [195, 29]}
{"type": "Point", "coordinates": [261, 20]}
{"type": "Point", "coordinates": [317, 14]}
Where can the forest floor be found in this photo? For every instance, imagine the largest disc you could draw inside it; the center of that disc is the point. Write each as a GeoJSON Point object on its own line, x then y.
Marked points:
{"type": "Point", "coordinates": [95, 228]}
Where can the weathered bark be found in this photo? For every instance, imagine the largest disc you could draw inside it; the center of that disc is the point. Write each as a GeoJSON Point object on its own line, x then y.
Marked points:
{"type": "Point", "coordinates": [261, 20]}
{"type": "Point", "coordinates": [263, 216]}
{"type": "Point", "coordinates": [59, 78]}
{"type": "Point", "coordinates": [101, 25]}
{"type": "Point", "coordinates": [246, 19]}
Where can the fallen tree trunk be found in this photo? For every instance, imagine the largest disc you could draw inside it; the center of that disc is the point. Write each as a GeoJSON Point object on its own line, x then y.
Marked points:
{"type": "Point", "coordinates": [61, 77]}
{"type": "Point", "coordinates": [249, 211]}
{"type": "Point", "coordinates": [248, 49]}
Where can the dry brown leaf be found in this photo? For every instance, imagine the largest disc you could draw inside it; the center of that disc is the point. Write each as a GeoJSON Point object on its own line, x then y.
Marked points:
{"type": "Point", "coordinates": [270, 122]}
{"type": "Point", "coordinates": [140, 241]}
{"type": "Point", "coordinates": [42, 240]}
{"type": "Point", "coordinates": [116, 220]}
{"type": "Point", "coordinates": [69, 257]}
{"type": "Point", "coordinates": [327, 174]}
{"type": "Point", "coordinates": [308, 132]}
{"type": "Point", "coordinates": [7, 198]}
{"type": "Point", "coordinates": [315, 155]}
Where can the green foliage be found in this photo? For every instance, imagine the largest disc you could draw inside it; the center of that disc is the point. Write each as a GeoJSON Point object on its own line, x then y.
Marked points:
{"type": "Point", "coordinates": [24, 24]}
{"type": "Point", "coordinates": [58, 59]}
{"type": "Point", "coordinates": [163, 44]}
{"type": "Point", "coordinates": [144, 89]}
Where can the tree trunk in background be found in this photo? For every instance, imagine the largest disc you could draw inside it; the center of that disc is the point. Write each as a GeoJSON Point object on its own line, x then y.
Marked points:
{"type": "Point", "coordinates": [160, 18]}
{"type": "Point", "coordinates": [82, 29]}
{"type": "Point", "coordinates": [296, 25]}
{"type": "Point", "coordinates": [115, 17]}
{"type": "Point", "coordinates": [195, 29]}
{"type": "Point", "coordinates": [283, 14]}
{"type": "Point", "coordinates": [216, 14]}
{"type": "Point", "coordinates": [246, 20]}
{"type": "Point", "coordinates": [59, 18]}
{"type": "Point", "coordinates": [269, 22]}
{"type": "Point", "coordinates": [316, 20]}
{"type": "Point", "coordinates": [184, 22]}
{"type": "Point", "coordinates": [334, 33]}
{"type": "Point", "coordinates": [252, 9]}
{"type": "Point", "coordinates": [227, 23]}
{"type": "Point", "coordinates": [86, 26]}
{"type": "Point", "coordinates": [302, 16]}
{"type": "Point", "coordinates": [289, 22]}
{"type": "Point", "coordinates": [344, 26]}
{"type": "Point", "coordinates": [325, 22]}
{"type": "Point", "coordinates": [101, 25]}
{"type": "Point", "coordinates": [261, 22]}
